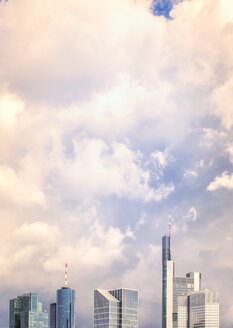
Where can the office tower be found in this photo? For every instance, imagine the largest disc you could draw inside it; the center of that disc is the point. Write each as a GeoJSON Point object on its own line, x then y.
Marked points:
{"type": "Point", "coordinates": [173, 287]}
{"type": "Point", "coordinates": [52, 317]}
{"type": "Point", "coordinates": [14, 313]}
{"type": "Point", "coordinates": [116, 308]}
{"type": "Point", "coordinates": [181, 287]}
{"type": "Point", "coordinates": [62, 313]}
{"type": "Point", "coordinates": [184, 304]}
{"type": "Point", "coordinates": [167, 282]}
{"type": "Point", "coordinates": [203, 309]}
{"type": "Point", "coordinates": [26, 312]}
{"type": "Point", "coordinates": [65, 316]}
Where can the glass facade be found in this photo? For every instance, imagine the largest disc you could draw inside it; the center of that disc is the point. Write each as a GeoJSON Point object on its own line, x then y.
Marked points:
{"type": "Point", "coordinates": [167, 276]}
{"type": "Point", "coordinates": [173, 288]}
{"type": "Point", "coordinates": [116, 308]}
{"type": "Point", "coordinates": [65, 313]}
{"type": "Point", "coordinates": [106, 310]}
{"type": "Point", "coordinates": [203, 309]}
{"type": "Point", "coordinates": [14, 313]}
{"type": "Point", "coordinates": [26, 312]}
{"type": "Point", "coordinates": [52, 316]}
{"type": "Point", "coordinates": [181, 287]}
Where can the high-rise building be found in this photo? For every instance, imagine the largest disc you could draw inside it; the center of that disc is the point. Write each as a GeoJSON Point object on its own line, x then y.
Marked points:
{"type": "Point", "coordinates": [26, 312]}
{"type": "Point", "coordinates": [116, 308]}
{"type": "Point", "coordinates": [62, 313]}
{"type": "Point", "coordinates": [65, 311]}
{"type": "Point", "coordinates": [167, 282]}
{"type": "Point", "coordinates": [52, 316]}
{"type": "Point", "coordinates": [181, 287]}
{"type": "Point", "coordinates": [203, 309]}
{"type": "Point", "coordinates": [184, 304]}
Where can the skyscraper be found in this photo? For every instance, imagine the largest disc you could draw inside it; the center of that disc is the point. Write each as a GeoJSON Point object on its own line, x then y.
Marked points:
{"type": "Point", "coordinates": [62, 313]}
{"type": "Point", "coordinates": [116, 308]}
{"type": "Point", "coordinates": [65, 314]}
{"type": "Point", "coordinates": [184, 304]}
{"type": "Point", "coordinates": [26, 312]}
{"type": "Point", "coordinates": [167, 282]}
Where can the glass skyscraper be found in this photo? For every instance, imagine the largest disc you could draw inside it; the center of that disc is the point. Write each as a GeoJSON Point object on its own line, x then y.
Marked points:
{"type": "Point", "coordinates": [174, 287]}
{"type": "Point", "coordinates": [116, 308]}
{"type": "Point", "coordinates": [65, 308]}
{"type": "Point", "coordinates": [167, 282]}
{"type": "Point", "coordinates": [26, 312]}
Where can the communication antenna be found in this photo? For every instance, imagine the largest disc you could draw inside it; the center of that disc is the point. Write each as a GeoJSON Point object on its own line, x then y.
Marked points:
{"type": "Point", "coordinates": [170, 224]}
{"type": "Point", "coordinates": [66, 275]}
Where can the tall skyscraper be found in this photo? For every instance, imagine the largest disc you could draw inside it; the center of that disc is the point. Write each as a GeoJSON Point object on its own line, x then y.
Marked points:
{"type": "Point", "coordinates": [26, 312]}
{"type": "Point", "coordinates": [184, 304]}
{"type": "Point", "coordinates": [65, 316]}
{"type": "Point", "coordinates": [62, 313]}
{"type": "Point", "coordinates": [116, 308]}
{"type": "Point", "coordinates": [167, 282]}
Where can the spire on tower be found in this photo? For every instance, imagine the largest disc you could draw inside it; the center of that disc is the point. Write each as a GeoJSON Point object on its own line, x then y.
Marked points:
{"type": "Point", "coordinates": [66, 275]}
{"type": "Point", "coordinates": [170, 224]}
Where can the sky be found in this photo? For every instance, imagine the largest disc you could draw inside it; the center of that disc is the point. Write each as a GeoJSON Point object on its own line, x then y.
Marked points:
{"type": "Point", "coordinates": [113, 114]}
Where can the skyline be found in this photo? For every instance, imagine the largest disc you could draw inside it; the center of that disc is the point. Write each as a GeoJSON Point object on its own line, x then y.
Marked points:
{"type": "Point", "coordinates": [113, 114]}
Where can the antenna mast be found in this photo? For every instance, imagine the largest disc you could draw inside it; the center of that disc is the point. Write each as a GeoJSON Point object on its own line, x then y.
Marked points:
{"type": "Point", "coordinates": [170, 224]}
{"type": "Point", "coordinates": [66, 275]}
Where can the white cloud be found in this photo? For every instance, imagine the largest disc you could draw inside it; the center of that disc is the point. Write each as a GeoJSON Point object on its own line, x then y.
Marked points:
{"type": "Point", "coordinates": [200, 164]}
{"type": "Point", "coordinates": [191, 215]}
{"type": "Point", "coordinates": [96, 90]}
{"type": "Point", "coordinates": [15, 188]}
{"type": "Point", "coordinates": [223, 101]}
{"type": "Point", "coordinates": [223, 181]}
{"type": "Point", "coordinates": [190, 173]}
{"type": "Point", "coordinates": [99, 169]}
{"type": "Point", "coordinates": [10, 107]}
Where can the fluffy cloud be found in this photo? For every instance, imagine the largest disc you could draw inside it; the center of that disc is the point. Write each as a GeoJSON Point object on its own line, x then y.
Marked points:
{"type": "Point", "coordinates": [102, 114]}
{"type": "Point", "coordinates": [10, 107]}
{"type": "Point", "coordinates": [223, 181]}
{"type": "Point", "coordinates": [15, 188]}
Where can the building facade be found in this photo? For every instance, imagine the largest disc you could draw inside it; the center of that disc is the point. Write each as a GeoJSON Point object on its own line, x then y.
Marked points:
{"type": "Point", "coordinates": [203, 309]}
{"type": "Point", "coordinates": [65, 308]}
{"type": "Point", "coordinates": [117, 308]}
{"type": "Point", "coordinates": [182, 286]}
{"type": "Point", "coordinates": [52, 316]}
{"type": "Point", "coordinates": [26, 312]}
{"type": "Point", "coordinates": [184, 304]}
{"type": "Point", "coordinates": [174, 287]}
{"type": "Point", "coordinates": [167, 283]}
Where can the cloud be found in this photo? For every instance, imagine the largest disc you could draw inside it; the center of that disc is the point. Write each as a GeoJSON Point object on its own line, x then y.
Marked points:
{"type": "Point", "coordinates": [10, 107]}
{"type": "Point", "coordinates": [191, 215]}
{"type": "Point", "coordinates": [108, 107]}
{"type": "Point", "coordinates": [14, 188]}
{"type": "Point", "coordinates": [190, 173]}
{"type": "Point", "coordinates": [223, 181]}
{"type": "Point", "coordinates": [222, 100]}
